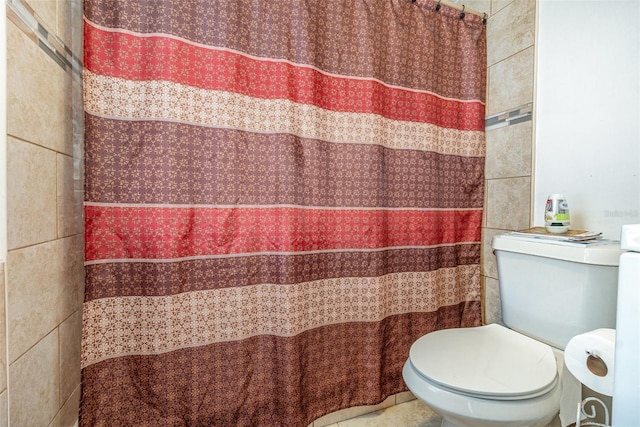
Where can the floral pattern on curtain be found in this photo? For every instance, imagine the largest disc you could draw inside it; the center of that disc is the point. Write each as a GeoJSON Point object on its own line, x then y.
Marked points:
{"type": "Point", "coordinates": [280, 198]}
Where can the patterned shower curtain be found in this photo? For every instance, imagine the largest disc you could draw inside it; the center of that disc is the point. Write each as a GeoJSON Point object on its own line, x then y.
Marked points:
{"type": "Point", "coordinates": [281, 196]}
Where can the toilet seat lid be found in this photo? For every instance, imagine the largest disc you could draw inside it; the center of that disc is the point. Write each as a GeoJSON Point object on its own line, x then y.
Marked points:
{"type": "Point", "coordinates": [489, 360]}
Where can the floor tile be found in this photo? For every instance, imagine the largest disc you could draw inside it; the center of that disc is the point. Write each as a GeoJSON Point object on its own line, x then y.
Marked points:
{"type": "Point", "coordinates": [409, 414]}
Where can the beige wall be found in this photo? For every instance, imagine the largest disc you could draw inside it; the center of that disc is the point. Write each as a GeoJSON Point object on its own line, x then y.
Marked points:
{"type": "Point", "coordinates": [43, 274]}
{"type": "Point", "coordinates": [510, 59]}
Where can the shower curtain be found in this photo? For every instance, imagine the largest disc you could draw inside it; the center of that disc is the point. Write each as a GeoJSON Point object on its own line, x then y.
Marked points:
{"type": "Point", "coordinates": [280, 198]}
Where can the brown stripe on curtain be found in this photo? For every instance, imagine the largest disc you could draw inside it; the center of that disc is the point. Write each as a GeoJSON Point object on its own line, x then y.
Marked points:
{"type": "Point", "coordinates": [210, 171]}
{"type": "Point", "coordinates": [147, 279]}
{"type": "Point", "coordinates": [258, 381]}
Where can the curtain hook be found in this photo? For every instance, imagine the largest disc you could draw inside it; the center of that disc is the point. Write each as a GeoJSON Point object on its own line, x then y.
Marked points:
{"type": "Point", "coordinates": [484, 18]}
{"type": "Point", "coordinates": [438, 6]}
{"type": "Point", "coordinates": [462, 13]}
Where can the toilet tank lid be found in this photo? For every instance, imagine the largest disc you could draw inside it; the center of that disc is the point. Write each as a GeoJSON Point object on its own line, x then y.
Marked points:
{"type": "Point", "coordinates": [597, 253]}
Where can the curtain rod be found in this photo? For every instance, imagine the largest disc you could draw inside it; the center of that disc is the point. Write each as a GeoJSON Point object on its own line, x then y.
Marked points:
{"type": "Point", "coordinates": [462, 8]}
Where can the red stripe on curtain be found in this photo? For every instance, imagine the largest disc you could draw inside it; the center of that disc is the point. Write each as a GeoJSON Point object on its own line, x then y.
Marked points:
{"type": "Point", "coordinates": [123, 55]}
{"type": "Point", "coordinates": [119, 233]}
{"type": "Point", "coordinates": [418, 48]}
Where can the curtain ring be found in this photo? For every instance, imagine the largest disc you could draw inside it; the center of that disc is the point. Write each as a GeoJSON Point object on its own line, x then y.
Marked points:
{"type": "Point", "coordinates": [484, 18]}
{"type": "Point", "coordinates": [462, 13]}
{"type": "Point", "coordinates": [438, 6]}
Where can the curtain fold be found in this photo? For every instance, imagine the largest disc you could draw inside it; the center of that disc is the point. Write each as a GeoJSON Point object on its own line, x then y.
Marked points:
{"type": "Point", "coordinates": [280, 198]}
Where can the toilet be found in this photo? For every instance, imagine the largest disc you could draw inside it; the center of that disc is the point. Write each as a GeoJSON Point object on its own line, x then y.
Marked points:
{"type": "Point", "coordinates": [496, 375]}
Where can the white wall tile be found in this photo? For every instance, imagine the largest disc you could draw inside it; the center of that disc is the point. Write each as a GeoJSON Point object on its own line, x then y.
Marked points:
{"type": "Point", "coordinates": [4, 409]}
{"type": "Point", "coordinates": [44, 288]}
{"type": "Point", "coordinates": [509, 151]}
{"type": "Point", "coordinates": [510, 30]}
{"type": "Point", "coordinates": [31, 194]}
{"type": "Point", "coordinates": [511, 82]}
{"type": "Point", "coordinates": [508, 203]}
{"type": "Point", "coordinates": [33, 384]}
{"type": "Point", "coordinates": [38, 107]}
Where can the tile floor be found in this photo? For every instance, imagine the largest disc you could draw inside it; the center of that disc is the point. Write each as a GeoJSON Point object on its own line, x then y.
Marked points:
{"type": "Point", "coordinates": [408, 414]}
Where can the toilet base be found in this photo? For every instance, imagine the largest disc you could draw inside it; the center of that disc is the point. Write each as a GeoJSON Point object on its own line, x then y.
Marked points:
{"type": "Point", "coordinates": [447, 423]}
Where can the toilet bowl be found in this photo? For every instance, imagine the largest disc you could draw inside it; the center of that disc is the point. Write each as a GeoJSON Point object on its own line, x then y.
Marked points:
{"type": "Point", "coordinates": [485, 376]}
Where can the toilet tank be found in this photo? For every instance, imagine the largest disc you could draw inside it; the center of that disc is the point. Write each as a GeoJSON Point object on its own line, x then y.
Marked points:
{"type": "Point", "coordinates": [553, 291]}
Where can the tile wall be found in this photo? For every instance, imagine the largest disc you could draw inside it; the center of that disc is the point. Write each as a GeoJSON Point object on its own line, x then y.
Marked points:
{"type": "Point", "coordinates": [508, 167]}
{"type": "Point", "coordinates": [43, 273]}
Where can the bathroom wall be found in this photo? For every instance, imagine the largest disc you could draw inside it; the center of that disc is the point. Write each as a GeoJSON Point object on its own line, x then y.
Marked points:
{"type": "Point", "coordinates": [583, 78]}
{"type": "Point", "coordinates": [508, 166]}
{"type": "Point", "coordinates": [39, 383]}
{"type": "Point", "coordinates": [587, 112]}
{"type": "Point", "coordinates": [43, 273]}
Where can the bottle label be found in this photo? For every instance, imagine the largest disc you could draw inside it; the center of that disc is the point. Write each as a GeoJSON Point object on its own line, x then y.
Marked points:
{"type": "Point", "coordinates": [556, 212]}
